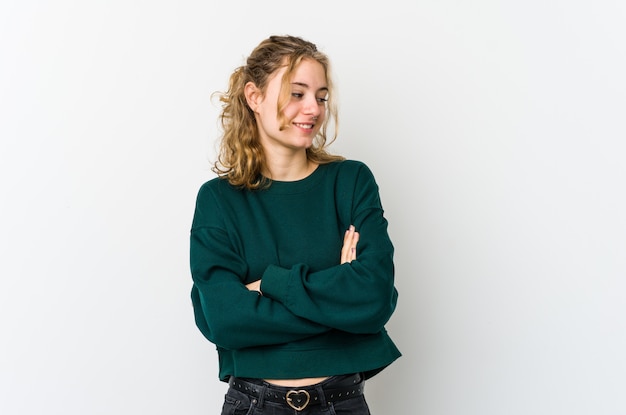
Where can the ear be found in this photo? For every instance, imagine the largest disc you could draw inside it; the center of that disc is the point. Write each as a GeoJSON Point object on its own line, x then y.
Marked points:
{"type": "Point", "coordinates": [253, 95]}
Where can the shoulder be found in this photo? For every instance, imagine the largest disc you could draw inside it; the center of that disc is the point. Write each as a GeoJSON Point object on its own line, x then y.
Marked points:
{"type": "Point", "coordinates": [350, 177]}
{"type": "Point", "coordinates": [349, 166]}
{"type": "Point", "coordinates": [214, 187]}
{"type": "Point", "coordinates": [214, 193]}
{"type": "Point", "coordinates": [354, 170]}
{"type": "Point", "coordinates": [213, 199]}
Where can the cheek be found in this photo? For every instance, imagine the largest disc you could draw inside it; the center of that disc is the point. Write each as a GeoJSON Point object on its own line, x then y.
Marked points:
{"type": "Point", "coordinates": [321, 118]}
{"type": "Point", "coordinates": [291, 111]}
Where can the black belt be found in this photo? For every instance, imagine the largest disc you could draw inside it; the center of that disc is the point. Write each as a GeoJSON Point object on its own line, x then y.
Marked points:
{"type": "Point", "coordinates": [299, 398]}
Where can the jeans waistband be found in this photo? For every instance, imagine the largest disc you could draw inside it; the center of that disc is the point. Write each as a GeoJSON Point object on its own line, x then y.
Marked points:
{"type": "Point", "coordinates": [337, 388]}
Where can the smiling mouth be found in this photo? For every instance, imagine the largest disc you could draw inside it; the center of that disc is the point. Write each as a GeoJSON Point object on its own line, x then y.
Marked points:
{"type": "Point", "coordinates": [305, 126]}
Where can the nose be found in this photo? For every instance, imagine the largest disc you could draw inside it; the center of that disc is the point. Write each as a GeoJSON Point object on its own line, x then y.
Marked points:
{"type": "Point", "coordinates": [312, 107]}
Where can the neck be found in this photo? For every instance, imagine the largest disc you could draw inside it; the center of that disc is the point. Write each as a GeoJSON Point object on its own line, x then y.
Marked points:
{"type": "Point", "coordinates": [289, 169]}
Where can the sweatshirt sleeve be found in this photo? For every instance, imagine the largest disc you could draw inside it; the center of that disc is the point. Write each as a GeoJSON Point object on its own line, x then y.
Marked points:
{"type": "Point", "coordinates": [226, 312]}
{"type": "Point", "coordinates": [357, 297]}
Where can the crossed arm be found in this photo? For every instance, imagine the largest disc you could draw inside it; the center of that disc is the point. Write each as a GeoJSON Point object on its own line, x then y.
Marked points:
{"type": "Point", "coordinates": [348, 254]}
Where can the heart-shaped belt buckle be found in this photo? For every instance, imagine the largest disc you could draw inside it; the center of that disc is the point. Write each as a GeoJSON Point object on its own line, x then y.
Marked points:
{"type": "Point", "coordinates": [298, 400]}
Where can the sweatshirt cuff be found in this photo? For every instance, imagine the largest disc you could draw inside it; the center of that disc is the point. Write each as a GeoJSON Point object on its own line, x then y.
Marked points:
{"type": "Point", "coordinates": [275, 283]}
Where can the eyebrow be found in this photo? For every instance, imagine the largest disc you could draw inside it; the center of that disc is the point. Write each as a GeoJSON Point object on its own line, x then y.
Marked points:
{"type": "Point", "coordinates": [302, 84]}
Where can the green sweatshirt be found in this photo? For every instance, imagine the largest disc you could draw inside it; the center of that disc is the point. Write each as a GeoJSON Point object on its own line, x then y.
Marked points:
{"type": "Point", "coordinates": [315, 317]}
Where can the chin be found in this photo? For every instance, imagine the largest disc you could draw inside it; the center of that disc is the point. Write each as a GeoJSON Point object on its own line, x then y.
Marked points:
{"type": "Point", "coordinates": [303, 145]}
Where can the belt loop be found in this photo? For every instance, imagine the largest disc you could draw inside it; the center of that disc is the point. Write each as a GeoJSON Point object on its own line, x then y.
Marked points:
{"type": "Point", "coordinates": [262, 392]}
{"type": "Point", "coordinates": [321, 396]}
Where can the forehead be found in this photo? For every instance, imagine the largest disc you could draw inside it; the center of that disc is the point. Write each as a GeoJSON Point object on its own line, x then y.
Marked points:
{"type": "Point", "coordinates": [309, 72]}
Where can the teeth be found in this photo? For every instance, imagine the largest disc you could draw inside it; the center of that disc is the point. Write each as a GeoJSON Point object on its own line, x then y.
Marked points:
{"type": "Point", "coordinates": [304, 125]}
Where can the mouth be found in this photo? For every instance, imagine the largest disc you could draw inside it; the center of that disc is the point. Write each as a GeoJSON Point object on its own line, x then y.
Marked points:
{"type": "Point", "coordinates": [304, 126]}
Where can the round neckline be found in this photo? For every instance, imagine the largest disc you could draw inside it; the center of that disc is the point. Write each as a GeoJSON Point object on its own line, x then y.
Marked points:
{"type": "Point", "coordinates": [297, 186]}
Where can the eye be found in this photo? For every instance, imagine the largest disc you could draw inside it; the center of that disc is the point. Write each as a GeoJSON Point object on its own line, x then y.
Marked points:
{"type": "Point", "coordinates": [322, 100]}
{"type": "Point", "coordinates": [297, 94]}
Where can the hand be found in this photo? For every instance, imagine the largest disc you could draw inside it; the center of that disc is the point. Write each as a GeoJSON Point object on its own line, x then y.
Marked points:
{"type": "Point", "coordinates": [348, 250]}
{"type": "Point", "coordinates": [255, 286]}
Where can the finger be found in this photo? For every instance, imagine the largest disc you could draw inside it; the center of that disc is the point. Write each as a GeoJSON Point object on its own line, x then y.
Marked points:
{"type": "Point", "coordinates": [346, 249]}
{"type": "Point", "coordinates": [355, 241]}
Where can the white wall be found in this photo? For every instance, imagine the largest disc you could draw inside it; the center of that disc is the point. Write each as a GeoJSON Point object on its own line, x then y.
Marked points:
{"type": "Point", "coordinates": [495, 129]}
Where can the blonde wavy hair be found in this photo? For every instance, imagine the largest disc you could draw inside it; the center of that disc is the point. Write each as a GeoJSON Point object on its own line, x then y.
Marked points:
{"type": "Point", "coordinates": [241, 159]}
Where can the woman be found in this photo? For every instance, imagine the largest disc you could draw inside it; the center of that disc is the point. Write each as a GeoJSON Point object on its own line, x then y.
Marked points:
{"type": "Point", "coordinates": [291, 260]}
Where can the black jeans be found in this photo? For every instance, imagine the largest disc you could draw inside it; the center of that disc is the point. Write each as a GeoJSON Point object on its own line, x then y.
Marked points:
{"type": "Point", "coordinates": [338, 395]}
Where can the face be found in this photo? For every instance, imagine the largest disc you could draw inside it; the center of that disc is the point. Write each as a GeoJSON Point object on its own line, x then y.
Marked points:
{"type": "Point", "coordinates": [304, 113]}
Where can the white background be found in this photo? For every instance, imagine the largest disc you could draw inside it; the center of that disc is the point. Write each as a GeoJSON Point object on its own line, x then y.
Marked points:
{"type": "Point", "coordinates": [495, 130]}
